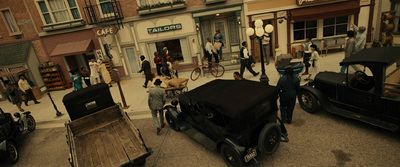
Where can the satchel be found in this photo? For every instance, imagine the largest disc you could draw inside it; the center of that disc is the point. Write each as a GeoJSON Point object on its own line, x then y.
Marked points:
{"type": "Point", "coordinates": [217, 45]}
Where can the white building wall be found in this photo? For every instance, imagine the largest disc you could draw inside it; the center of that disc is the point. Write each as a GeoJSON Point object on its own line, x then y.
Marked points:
{"type": "Point", "coordinates": [282, 34]}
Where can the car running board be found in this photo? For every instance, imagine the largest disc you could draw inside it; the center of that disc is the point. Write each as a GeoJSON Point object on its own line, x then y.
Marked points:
{"type": "Point", "coordinates": [376, 122]}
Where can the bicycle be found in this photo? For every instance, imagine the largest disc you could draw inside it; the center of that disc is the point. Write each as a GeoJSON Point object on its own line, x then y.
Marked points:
{"type": "Point", "coordinates": [215, 69]}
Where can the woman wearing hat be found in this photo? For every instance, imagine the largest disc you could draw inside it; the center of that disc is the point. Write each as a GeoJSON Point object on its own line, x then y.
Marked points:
{"type": "Point", "coordinates": [361, 37]}
{"type": "Point", "coordinates": [157, 99]}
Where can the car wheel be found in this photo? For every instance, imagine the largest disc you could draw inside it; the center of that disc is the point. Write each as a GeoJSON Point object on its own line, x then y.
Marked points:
{"type": "Point", "coordinates": [172, 122]}
{"type": "Point", "coordinates": [308, 101]}
{"type": "Point", "coordinates": [270, 138]}
{"type": "Point", "coordinates": [13, 154]}
{"type": "Point", "coordinates": [231, 156]}
{"type": "Point", "coordinates": [31, 123]}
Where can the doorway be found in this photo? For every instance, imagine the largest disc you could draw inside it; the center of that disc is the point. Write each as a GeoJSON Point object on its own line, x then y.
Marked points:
{"type": "Point", "coordinates": [222, 25]}
{"type": "Point", "coordinates": [133, 60]}
{"type": "Point", "coordinates": [78, 61]}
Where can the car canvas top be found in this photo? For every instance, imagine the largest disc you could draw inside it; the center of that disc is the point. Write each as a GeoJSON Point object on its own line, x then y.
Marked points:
{"type": "Point", "coordinates": [232, 97]}
{"type": "Point", "coordinates": [385, 56]}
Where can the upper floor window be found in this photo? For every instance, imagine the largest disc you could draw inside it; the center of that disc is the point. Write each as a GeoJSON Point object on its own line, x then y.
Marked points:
{"type": "Point", "coordinates": [153, 2]}
{"type": "Point", "coordinates": [107, 8]}
{"type": "Point", "coordinates": [58, 11]}
{"type": "Point", "coordinates": [10, 22]}
{"type": "Point", "coordinates": [305, 29]}
{"type": "Point", "coordinates": [335, 26]}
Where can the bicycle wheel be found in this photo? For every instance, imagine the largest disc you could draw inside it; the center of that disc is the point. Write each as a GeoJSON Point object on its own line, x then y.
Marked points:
{"type": "Point", "coordinates": [195, 74]}
{"type": "Point", "coordinates": [217, 70]}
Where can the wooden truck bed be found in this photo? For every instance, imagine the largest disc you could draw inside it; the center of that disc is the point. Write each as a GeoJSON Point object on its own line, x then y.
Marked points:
{"type": "Point", "coordinates": [105, 138]}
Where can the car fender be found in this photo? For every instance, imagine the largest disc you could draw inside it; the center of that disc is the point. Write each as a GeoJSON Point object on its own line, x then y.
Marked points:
{"type": "Point", "coordinates": [233, 143]}
{"type": "Point", "coordinates": [3, 146]}
{"type": "Point", "coordinates": [323, 100]}
{"type": "Point", "coordinates": [176, 114]}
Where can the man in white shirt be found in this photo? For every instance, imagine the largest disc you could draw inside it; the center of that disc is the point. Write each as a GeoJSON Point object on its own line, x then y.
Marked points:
{"type": "Point", "coordinates": [94, 72]}
{"type": "Point", "coordinates": [361, 37]}
{"type": "Point", "coordinates": [211, 52]}
{"type": "Point", "coordinates": [27, 89]}
{"type": "Point", "coordinates": [245, 60]}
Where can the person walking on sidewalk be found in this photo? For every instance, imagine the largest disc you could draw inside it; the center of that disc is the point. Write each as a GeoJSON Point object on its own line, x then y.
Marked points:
{"type": "Point", "coordinates": [15, 95]}
{"type": "Point", "coordinates": [315, 62]}
{"type": "Point", "coordinates": [158, 61]}
{"type": "Point", "coordinates": [265, 43]}
{"type": "Point", "coordinates": [361, 37]}
{"type": "Point", "coordinates": [349, 50]}
{"type": "Point", "coordinates": [157, 99]}
{"type": "Point", "coordinates": [27, 89]}
{"type": "Point", "coordinates": [307, 54]}
{"type": "Point", "coordinates": [289, 85]}
{"type": "Point", "coordinates": [147, 71]}
{"type": "Point", "coordinates": [245, 60]}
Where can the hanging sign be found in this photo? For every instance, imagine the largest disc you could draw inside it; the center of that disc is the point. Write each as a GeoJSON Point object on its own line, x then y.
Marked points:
{"type": "Point", "coordinates": [306, 2]}
{"type": "Point", "coordinates": [164, 28]}
{"type": "Point", "coordinates": [101, 32]}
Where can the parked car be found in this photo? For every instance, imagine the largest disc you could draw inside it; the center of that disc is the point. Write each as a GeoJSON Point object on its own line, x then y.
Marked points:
{"type": "Point", "coordinates": [371, 95]}
{"type": "Point", "coordinates": [10, 129]}
{"type": "Point", "coordinates": [238, 118]}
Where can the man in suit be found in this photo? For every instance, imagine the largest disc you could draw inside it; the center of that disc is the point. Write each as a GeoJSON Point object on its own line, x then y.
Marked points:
{"type": "Point", "coordinates": [147, 71]}
{"type": "Point", "coordinates": [245, 60]}
{"type": "Point", "coordinates": [157, 99]}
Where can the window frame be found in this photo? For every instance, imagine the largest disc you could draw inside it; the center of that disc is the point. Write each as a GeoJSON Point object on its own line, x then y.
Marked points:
{"type": "Point", "coordinates": [102, 15]}
{"type": "Point", "coordinates": [50, 12]}
{"type": "Point", "coordinates": [335, 26]}
{"type": "Point", "coordinates": [305, 30]}
{"type": "Point", "coordinates": [18, 32]}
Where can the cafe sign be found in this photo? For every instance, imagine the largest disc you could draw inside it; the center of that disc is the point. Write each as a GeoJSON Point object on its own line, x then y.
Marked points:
{"type": "Point", "coordinates": [306, 2]}
{"type": "Point", "coordinates": [102, 32]}
{"type": "Point", "coordinates": [164, 28]}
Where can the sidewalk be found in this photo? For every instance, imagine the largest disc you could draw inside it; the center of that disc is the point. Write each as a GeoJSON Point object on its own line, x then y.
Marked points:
{"type": "Point", "coordinates": [136, 95]}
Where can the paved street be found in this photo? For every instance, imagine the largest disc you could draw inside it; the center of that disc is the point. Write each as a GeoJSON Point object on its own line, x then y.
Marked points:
{"type": "Point", "coordinates": [320, 139]}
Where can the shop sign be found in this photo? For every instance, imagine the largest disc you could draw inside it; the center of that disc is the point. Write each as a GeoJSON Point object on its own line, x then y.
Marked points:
{"type": "Point", "coordinates": [164, 28]}
{"type": "Point", "coordinates": [101, 32]}
{"type": "Point", "coordinates": [306, 2]}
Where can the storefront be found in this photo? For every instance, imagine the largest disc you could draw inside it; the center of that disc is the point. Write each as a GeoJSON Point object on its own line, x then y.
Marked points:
{"type": "Point", "coordinates": [146, 36]}
{"type": "Point", "coordinates": [71, 50]}
{"type": "Point", "coordinates": [227, 18]}
{"type": "Point", "coordinates": [324, 21]}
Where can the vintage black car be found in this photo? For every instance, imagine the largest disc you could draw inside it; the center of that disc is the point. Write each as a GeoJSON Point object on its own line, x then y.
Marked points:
{"type": "Point", "coordinates": [371, 95]}
{"type": "Point", "coordinates": [10, 129]}
{"type": "Point", "coordinates": [238, 118]}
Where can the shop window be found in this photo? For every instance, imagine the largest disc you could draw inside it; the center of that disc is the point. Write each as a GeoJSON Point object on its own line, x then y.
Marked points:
{"type": "Point", "coordinates": [58, 11]}
{"type": "Point", "coordinates": [10, 22]}
{"type": "Point", "coordinates": [336, 26]}
{"type": "Point", "coordinates": [174, 48]}
{"type": "Point", "coordinates": [305, 29]}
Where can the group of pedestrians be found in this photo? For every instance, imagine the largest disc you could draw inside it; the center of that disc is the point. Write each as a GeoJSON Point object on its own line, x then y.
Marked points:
{"type": "Point", "coordinates": [97, 69]}
{"type": "Point", "coordinates": [14, 92]}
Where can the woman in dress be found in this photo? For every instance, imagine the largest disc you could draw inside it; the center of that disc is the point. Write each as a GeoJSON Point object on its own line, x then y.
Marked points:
{"type": "Point", "coordinates": [315, 63]}
{"type": "Point", "coordinates": [94, 74]}
{"type": "Point", "coordinates": [105, 74]}
{"type": "Point", "coordinates": [218, 37]}
{"type": "Point", "coordinates": [76, 79]}
{"type": "Point", "coordinates": [15, 95]}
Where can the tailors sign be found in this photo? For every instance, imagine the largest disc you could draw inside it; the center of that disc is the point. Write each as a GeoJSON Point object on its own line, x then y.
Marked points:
{"type": "Point", "coordinates": [164, 28]}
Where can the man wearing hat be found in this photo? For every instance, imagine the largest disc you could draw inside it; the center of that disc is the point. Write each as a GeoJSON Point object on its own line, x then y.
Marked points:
{"type": "Point", "coordinates": [361, 37]}
{"type": "Point", "coordinates": [147, 71]}
{"type": "Point", "coordinates": [157, 99]}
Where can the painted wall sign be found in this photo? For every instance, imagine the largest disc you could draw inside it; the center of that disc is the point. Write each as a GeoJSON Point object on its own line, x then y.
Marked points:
{"type": "Point", "coordinates": [306, 2]}
{"type": "Point", "coordinates": [164, 28]}
{"type": "Point", "coordinates": [101, 32]}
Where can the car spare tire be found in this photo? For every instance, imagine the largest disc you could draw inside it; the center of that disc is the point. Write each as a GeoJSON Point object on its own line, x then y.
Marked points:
{"type": "Point", "coordinates": [172, 121]}
{"type": "Point", "coordinates": [270, 138]}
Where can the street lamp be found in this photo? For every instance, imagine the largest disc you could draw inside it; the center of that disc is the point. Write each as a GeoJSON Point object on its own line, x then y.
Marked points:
{"type": "Point", "coordinates": [260, 34]}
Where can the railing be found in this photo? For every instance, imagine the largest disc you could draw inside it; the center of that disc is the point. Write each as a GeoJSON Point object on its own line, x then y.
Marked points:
{"type": "Point", "coordinates": [105, 12]}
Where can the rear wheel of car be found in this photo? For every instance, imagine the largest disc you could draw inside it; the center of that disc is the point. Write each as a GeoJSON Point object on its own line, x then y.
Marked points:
{"type": "Point", "coordinates": [231, 157]}
{"type": "Point", "coordinates": [13, 154]}
{"type": "Point", "coordinates": [308, 101]}
{"type": "Point", "coordinates": [31, 123]}
{"type": "Point", "coordinates": [270, 138]}
{"type": "Point", "coordinates": [172, 122]}
{"type": "Point", "coordinates": [195, 74]}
